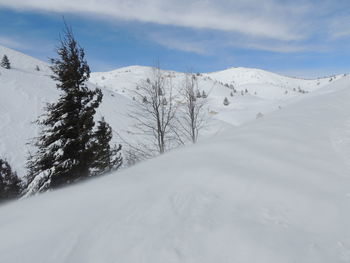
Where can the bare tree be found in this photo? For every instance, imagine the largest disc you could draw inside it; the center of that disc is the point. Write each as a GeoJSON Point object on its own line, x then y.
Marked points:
{"type": "Point", "coordinates": [192, 119]}
{"type": "Point", "coordinates": [154, 112]}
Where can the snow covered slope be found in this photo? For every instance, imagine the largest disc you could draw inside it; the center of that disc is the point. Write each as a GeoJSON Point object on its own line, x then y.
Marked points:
{"type": "Point", "coordinates": [24, 93]}
{"type": "Point", "coordinates": [273, 190]}
{"type": "Point", "coordinates": [267, 84]}
{"type": "Point", "coordinates": [253, 90]}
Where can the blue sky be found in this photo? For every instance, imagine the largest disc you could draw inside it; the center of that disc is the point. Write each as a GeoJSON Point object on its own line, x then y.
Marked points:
{"type": "Point", "coordinates": [305, 38]}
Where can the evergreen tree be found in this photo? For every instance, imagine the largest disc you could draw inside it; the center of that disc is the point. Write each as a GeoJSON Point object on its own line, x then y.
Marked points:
{"type": "Point", "coordinates": [10, 184]}
{"type": "Point", "coordinates": [226, 102]}
{"type": "Point", "coordinates": [37, 68]}
{"type": "Point", "coordinates": [106, 158]}
{"type": "Point", "coordinates": [65, 148]}
{"type": "Point", "coordinates": [198, 94]}
{"type": "Point", "coordinates": [204, 95]}
{"type": "Point", "coordinates": [5, 62]}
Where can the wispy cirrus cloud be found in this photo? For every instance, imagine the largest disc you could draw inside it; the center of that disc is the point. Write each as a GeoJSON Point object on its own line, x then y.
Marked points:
{"type": "Point", "coordinates": [339, 27]}
{"type": "Point", "coordinates": [213, 33]}
{"type": "Point", "coordinates": [27, 45]}
{"type": "Point", "coordinates": [287, 24]}
{"type": "Point", "coordinates": [13, 43]}
{"type": "Point", "coordinates": [203, 44]}
{"type": "Point", "coordinates": [266, 19]}
{"type": "Point", "coordinates": [280, 47]}
{"type": "Point", "coordinates": [182, 44]}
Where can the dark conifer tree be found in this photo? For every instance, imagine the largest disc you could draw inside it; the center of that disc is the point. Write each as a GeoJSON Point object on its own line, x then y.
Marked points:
{"type": "Point", "coordinates": [5, 62]}
{"type": "Point", "coordinates": [107, 158]}
{"type": "Point", "coordinates": [65, 147]}
{"type": "Point", "coordinates": [198, 94]}
{"type": "Point", "coordinates": [226, 101]}
{"type": "Point", "coordinates": [10, 184]}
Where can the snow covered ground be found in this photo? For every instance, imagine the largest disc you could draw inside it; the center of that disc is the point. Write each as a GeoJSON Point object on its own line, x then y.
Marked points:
{"type": "Point", "coordinates": [272, 190]}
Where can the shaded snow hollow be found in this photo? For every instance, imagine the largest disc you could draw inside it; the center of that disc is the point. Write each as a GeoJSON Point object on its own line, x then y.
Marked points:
{"type": "Point", "coordinates": [273, 190]}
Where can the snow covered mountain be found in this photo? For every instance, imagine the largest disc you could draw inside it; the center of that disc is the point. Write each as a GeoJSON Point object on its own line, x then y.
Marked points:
{"type": "Point", "coordinates": [253, 90]}
{"type": "Point", "coordinates": [25, 92]}
{"type": "Point", "coordinates": [247, 76]}
{"type": "Point", "coordinates": [271, 190]}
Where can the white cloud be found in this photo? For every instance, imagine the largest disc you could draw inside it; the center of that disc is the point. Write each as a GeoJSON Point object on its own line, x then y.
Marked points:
{"type": "Point", "coordinates": [339, 27]}
{"type": "Point", "coordinates": [341, 33]}
{"type": "Point", "coordinates": [27, 44]}
{"type": "Point", "coordinates": [266, 19]}
{"type": "Point", "coordinates": [13, 43]}
{"type": "Point", "coordinates": [282, 47]}
{"type": "Point", "coordinates": [182, 44]}
{"type": "Point", "coordinates": [203, 44]}
{"type": "Point", "coordinates": [271, 25]}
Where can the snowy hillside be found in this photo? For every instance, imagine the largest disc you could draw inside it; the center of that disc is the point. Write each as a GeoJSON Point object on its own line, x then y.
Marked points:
{"type": "Point", "coordinates": [25, 92]}
{"type": "Point", "coordinates": [249, 91]}
{"type": "Point", "coordinates": [273, 190]}
{"type": "Point", "coordinates": [244, 76]}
